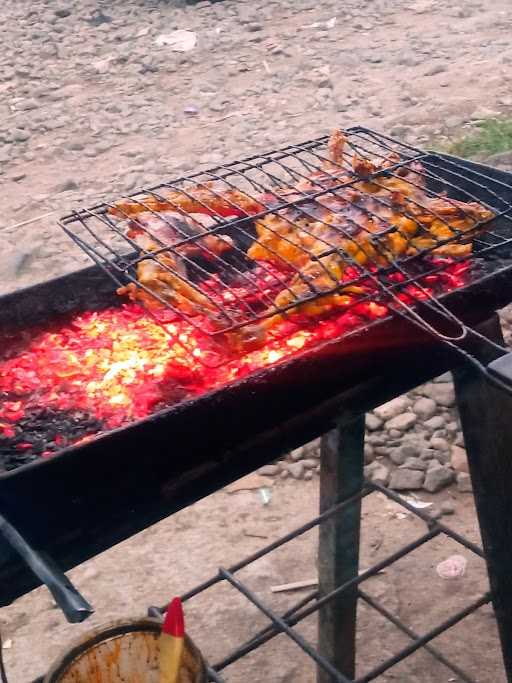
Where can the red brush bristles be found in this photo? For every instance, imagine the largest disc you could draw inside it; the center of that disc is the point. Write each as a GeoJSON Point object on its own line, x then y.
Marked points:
{"type": "Point", "coordinates": [174, 622]}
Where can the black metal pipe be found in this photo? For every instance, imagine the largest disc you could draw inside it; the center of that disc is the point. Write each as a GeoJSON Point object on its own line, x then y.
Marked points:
{"type": "Point", "coordinates": [420, 642]}
{"type": "Point", "coordinates": [409, 632]}
{"type": "Point", "coordinates": [75, 606]}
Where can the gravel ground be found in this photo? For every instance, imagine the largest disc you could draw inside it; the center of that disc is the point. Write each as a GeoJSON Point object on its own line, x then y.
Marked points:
{"type": "Point", "coordinates": [93, 107]}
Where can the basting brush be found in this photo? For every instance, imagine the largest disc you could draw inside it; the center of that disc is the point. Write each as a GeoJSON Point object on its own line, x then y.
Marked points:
{"type": "Point", "coordinates": [172, 642]}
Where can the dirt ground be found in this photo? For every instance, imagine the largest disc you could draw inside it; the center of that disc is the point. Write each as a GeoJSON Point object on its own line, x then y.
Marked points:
{"type": "Point", "coordinates": [182, 551]}
{"type": "Point", "coordinates": [92, 107]}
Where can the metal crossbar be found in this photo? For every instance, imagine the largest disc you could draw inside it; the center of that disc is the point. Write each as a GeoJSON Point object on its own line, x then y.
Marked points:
{"type": "Point", "coordinates": [283, 624]}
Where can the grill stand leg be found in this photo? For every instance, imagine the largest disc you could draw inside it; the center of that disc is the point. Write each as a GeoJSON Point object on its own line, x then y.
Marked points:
{"type": "Point", "coordinates": [341, 476]}
{"type": "Point", "coordinates": [486, 415]}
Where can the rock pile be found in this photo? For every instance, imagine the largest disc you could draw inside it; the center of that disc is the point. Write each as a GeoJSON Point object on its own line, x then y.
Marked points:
{"type": "Point", "coordinates": [413, 442]}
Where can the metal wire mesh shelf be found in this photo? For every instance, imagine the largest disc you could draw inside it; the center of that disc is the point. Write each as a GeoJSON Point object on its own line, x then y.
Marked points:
{"type": "Point", "coordinates": [285, 623]}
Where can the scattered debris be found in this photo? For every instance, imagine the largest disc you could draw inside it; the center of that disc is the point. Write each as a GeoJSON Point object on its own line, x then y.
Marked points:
{"type": "Point", "coordinates": [251, 535]}
{"type": "Point", "coordinates": [311, 583]}
{"type": "Point", "coordinates": [454, 567]}
{"type": "Point", "coordinates": [191, 110]}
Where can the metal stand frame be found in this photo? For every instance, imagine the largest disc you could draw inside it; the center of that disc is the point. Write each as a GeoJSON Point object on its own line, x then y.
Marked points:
{"type": "Point", "coordinates": [335, 658]}
{"type": "Point", "coordinates": [486, 415]}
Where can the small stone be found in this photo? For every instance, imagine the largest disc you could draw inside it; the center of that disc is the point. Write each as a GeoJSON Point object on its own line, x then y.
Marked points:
{"type": "Point", "coordinates": [462, 12]}
{"type": "Point", "coordinates": [269, 470]}
{"type": "Point", "coordinates": [297, 454]}
{"type": "Point", "coordinates": [427, 454]}
{"type": "Point", "coordinates": [502, 159]}
{"type": "Point", "coordinates": [400, 455]}
{"type": "Point", "coordinates": [459, 439]}
{"type": "Point", "coordinates": [402, 422]}
{"type": "Point", "coordinates": [372, 422]}
{"type": "Point", "coordinates": [394, 434]}
{"type": "Point", "coordinates": [437, 478]}
{"type": "Point", "coordinates": [436, 69]}
{"type": "Point", "coordinates": [66, 186]}
{"type": "Point", "coordinates": [434, 423]}
{"type": "Point", "coordinates": [425, 408]}
{"type": "Point", "coordinates": [296, 469]}
{"type": "Point", "coordinates": [20, 135]}
{"type": "Point", "coordinates": [446, 376]}
{"type": "Point", "coordinates": [284, 474]}
{"type": "Point", "coordinates": [309, 463]}
{"type": "Point", "coordinates": [392, 408]}
{"type": "Point", "coordinates": [452, 428]}
{"type": "Point", "coordinates": [415, 464]}
{"type": "Point", "coordinates": [312, 449]}
{"type": "Point", "coordinates": [442, 393]}
{"type": "Point", "coordinates": [368, 469]}
{"type": "Point", "coordinates": [90, 573]}
{"type": "Point", "coordinates": [444, 457]}
{"type": "Point", "coordinates": [399, 131]}
{"type": "Point", "coordinates": [62, 13]}
{"type": "Point", "coordinates": [308, 475]}
{"type": "Point", "coordinates": [382, 450]}
{"type": "Point", "coordinates": [435, 512]}
{"type": "Point", "coordinates": [406, 480]}
{"type": "Point", "coordinates": [484, 113]}
{"type": "Point", "coordinates": [464, 484]}
{"type": "Point", "coordinates": [447, 507]}
{"type": "Point", "coordinates": [380, 475]}
{"type": "Point", "coordinates": [254, 26]}
{"type": "Point", "coordinates": [369, 454]}
{"type": "Point", "coordinates": [439, 444]}
{"type": "Point", "coordinates": [27, 105]}
{"type": "Point", "coordinates": [459, 459]}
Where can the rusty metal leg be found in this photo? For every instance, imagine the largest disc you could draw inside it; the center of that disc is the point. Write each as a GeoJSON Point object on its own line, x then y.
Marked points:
{"type": "Point", "coordinates": [486, 415]}
{"type": "Point", "coordinates": [341, 476]}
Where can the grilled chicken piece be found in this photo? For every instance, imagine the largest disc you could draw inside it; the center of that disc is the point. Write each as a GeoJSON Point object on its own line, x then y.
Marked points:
{"type": "Point", "coordinates": [164, 271]}
{"type": "Point", "coordinates": [210, 199]}
{"type": "Point", "coordinates": [351, 211]}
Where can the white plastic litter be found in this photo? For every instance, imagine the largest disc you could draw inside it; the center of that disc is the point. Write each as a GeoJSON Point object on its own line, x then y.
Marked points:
{"type": "Point", "coordinates": [454, 567]}
{"type": "Point", "coordinates": [179, 41]}
{"type": "Point", "coordinates": [330, 23]}
{"type": "Point", "coordinates": [266, 495]}
{"type": "Point", "coordinates": [418, 504]}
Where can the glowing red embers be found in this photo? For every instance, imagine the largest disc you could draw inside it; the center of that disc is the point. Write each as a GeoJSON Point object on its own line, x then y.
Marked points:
{"type": "Point", "coordinates": [120, 364]}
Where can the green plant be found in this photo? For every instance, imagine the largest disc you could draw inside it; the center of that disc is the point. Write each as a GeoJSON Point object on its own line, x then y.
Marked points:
{"type": "Point", "coordinates": [489, 137]}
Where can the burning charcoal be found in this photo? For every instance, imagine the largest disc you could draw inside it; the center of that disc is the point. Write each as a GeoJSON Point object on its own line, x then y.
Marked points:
{"type": "Point", "coordinates": [44, 430]}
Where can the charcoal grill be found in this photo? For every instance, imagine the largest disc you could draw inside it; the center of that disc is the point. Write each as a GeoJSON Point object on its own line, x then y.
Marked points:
{"type": "Point", "coordinates": [111, 486]}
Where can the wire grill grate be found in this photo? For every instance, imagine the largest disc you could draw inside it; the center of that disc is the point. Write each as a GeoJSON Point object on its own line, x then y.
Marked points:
{"type": "Point", "coordinates": [356, 224]}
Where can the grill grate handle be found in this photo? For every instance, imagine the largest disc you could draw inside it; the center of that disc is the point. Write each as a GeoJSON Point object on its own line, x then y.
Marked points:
{"type": "Point", "coordinates": [74, 606]}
